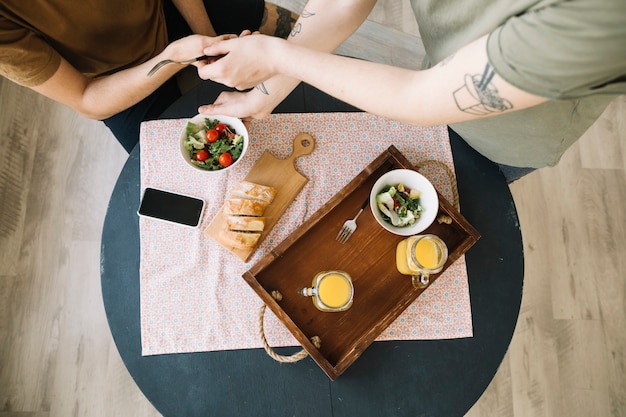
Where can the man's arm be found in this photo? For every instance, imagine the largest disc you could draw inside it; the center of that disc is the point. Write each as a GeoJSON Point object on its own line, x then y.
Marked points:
{"type": "Point", "coordinates": [464, 87]}
{"type": "Point", "coordinates": [105, 96]}
{"type": "Point", "coordinates": [195, 15]}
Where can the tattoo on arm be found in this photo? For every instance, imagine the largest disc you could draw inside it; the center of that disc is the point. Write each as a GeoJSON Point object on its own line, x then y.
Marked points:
{"type": "Point", "coordinates": [261, 88]}
{"type": "Point", "coordinates": [298, 27]}
{"type": "Point", "coordinates": [479, 96]}
{"type": "Point", "coordinates": [284, 22]}
{"type": "Point", "coordinates": [277, 21]}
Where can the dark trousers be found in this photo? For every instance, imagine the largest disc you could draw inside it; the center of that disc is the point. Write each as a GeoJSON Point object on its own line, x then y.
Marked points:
{"type": "Point", "coordinates": [514, 173]}
{"type": "Point", "coordinates": [227, 16]}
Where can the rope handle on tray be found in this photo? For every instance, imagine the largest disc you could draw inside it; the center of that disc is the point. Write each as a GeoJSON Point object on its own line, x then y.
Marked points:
{"type": "Point", "coordinates": [276, 295]}
{"type": "Point", "coordinates": [442, 218]}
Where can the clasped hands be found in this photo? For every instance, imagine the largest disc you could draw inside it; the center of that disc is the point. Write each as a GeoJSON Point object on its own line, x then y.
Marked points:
{"type": "Point", "coordinates": [245, 63]}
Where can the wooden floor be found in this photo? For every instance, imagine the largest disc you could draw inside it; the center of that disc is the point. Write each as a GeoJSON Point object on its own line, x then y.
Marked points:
{"type": "Point", "coordinates": [57, 357]}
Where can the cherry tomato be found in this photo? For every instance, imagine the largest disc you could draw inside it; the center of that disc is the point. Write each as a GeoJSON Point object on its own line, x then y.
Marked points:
{"type": "Point", "coordinates": [202, 155]}
{"type": "Point", "coordinates": [221, 128]}
{"type": "Point", "coordinates": [212, 135]}
{"type": "Point", "coordinates": [225, 159]}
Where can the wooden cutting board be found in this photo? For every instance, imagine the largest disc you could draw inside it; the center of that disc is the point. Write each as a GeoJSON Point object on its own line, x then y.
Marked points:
{"type": "Point", "coordinates": [278, 173]}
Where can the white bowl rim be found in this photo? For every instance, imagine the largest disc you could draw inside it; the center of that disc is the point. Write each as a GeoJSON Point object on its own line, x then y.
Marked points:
{"type": "Point", "coordinates": [229, 120]}
{"type": "Point", "coordinates": [430, 203]}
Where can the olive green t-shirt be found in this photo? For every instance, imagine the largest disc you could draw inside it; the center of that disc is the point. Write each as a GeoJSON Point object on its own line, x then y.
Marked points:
{"type": "Point", "coordinates": [97, 37]}
{"type": "Point", "coordinates": [572, 52]}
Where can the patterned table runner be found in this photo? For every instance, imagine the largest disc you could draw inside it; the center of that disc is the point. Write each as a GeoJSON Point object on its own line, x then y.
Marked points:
{"type": "Point", "coordinates": [192, 295]}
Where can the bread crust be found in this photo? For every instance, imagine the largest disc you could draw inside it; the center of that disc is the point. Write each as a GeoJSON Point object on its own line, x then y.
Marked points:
{"type": "Point", "coordinates": [240, 240]}
{"type": "Point", "coordinates": [244, 207]}
{"type": "Point", "coordinates": [247, 189]}
{"type": "Point", "coordinates": [245, 223]}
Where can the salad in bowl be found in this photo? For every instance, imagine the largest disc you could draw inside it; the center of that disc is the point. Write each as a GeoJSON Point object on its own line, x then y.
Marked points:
{"type": "Point", "coordinates": [400, 205]}
{"type": "Point", "coordinates": [404, 202]}
{"type": "Point", "coordinates": [213, 143]}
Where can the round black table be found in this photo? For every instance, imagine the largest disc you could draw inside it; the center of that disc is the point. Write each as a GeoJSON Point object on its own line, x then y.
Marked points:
{"type": "Point", "coordinates": [400, 378]}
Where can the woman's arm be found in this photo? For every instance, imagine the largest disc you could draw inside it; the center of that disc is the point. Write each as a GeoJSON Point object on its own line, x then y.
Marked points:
{"type": "Point", "coordinates": [463, 87]}
{"type": "Point", "coordinates": [103, 97]}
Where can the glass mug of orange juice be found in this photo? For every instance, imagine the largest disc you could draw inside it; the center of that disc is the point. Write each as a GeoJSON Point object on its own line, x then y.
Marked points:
{"type": "Point", "coordinates": [330, 291]}
{"type": "Point", "coordinates": [421, 256]}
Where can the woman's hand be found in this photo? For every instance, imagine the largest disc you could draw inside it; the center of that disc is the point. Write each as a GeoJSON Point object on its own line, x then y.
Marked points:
{"type": "Point", "coordinates": [247, 61]}
{"type": "Point", "coordinates": [247, 106]}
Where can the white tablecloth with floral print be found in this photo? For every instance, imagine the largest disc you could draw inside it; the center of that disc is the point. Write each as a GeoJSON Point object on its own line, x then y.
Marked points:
{"type": "Point", "coordinates": [192, 295]}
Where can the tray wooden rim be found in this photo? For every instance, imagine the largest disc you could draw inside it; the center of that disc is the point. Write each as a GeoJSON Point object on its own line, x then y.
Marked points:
{"type": "Point", "coordinates": [397, 160]}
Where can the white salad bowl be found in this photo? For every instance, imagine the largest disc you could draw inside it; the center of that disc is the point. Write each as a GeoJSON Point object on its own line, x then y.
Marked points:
{"type": "Point", "coordinates": [233, 122]}
{"type": "Point", "coordinates": [414, 181]}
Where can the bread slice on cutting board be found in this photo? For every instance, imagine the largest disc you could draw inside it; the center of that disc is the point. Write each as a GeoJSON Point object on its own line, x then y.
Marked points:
{"type": "Point", "coordinates": [235, 206]}
{"type": "Point", "coordinates": [250, 190]}
{"type": "Point", "coordinates": [245, 223]}
{"type": "Point", "coordinates": [240, 240]}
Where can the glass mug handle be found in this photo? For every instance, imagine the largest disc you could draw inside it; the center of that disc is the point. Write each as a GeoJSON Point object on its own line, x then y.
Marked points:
{"type": "Point", "coordinates": [421, 280]}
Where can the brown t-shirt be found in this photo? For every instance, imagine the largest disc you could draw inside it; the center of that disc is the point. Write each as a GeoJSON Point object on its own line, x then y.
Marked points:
{"type": "Point", "coordinates": [97, 37]}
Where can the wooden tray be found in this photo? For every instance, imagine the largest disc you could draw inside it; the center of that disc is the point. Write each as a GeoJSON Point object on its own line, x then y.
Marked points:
{"type": "Point", "coordinates": [278, 173]}
{"type": "Point", "coordinates": [381, 293]}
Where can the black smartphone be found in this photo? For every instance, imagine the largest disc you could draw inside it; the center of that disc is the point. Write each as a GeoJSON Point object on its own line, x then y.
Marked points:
{"type": "Point", "coordinates": [171, 207]}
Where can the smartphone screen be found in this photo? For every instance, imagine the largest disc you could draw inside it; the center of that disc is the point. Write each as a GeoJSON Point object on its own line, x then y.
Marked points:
{"type": "Point", "coordinates": [171, 207]}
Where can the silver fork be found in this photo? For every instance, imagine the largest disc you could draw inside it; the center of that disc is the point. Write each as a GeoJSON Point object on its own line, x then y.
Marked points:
{"type": "Point", "coordinates": [169, 61]}
{"type": "Point", "coordinates": [350, 226]}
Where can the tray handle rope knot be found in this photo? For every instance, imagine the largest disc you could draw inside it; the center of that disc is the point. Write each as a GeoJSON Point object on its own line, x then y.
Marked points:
{"type": "Point", "coordinates": [317, 342]}
{"type": "Point", "coordinates": [442, 218]}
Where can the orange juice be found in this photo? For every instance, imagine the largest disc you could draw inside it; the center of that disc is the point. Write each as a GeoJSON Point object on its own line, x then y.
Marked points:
{"type": "Point", "coordinates": [330, 291]}
{"type": "Point", "coordinates": [427, 253]}
{"type": "Point", "coordinates": [422, 254]}
{"type": "Point", "coordinates": [334, 290]}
